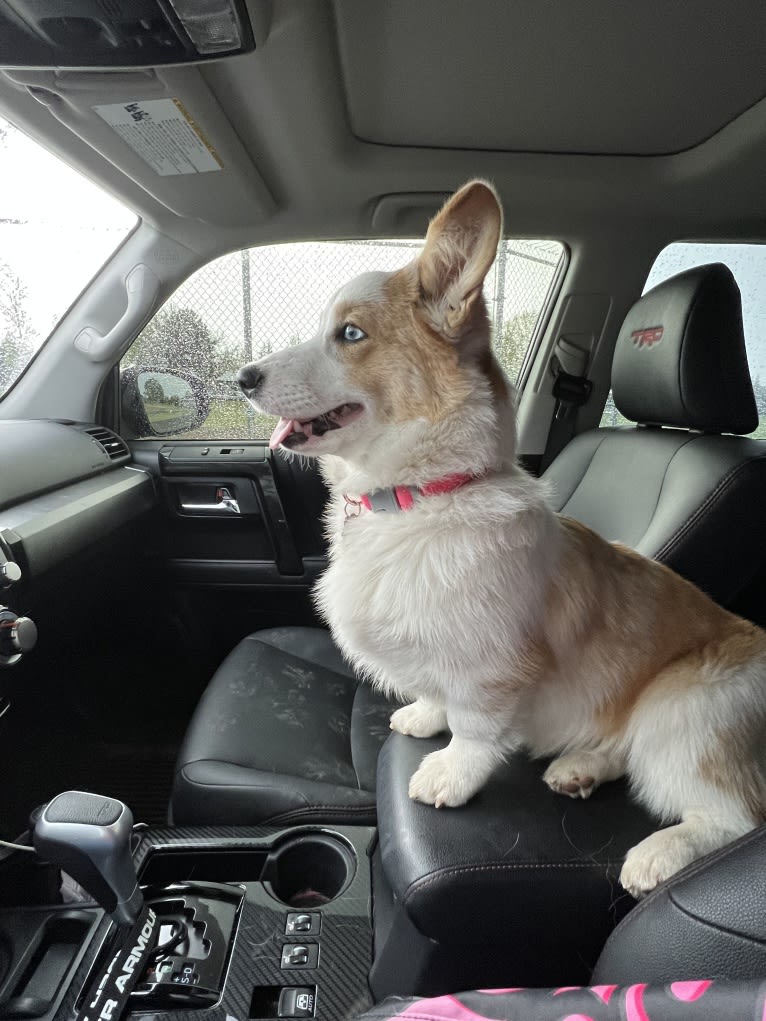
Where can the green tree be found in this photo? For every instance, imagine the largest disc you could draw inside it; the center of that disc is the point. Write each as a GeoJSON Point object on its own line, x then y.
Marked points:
{"type": "Point", "coordinates": [17, 335]}
{"type": "Point", "coordinates": [153, 391]}
{"type": "Point", "coordinates": [512, 341]}
{"type": "Point", "coordinates": [179, 339]}
{"type": "Point", "coordinates": [229, 358]}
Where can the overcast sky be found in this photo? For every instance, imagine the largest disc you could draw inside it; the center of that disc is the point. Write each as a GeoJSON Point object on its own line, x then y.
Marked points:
{"type": "Point", "coordinates": [67, 226]}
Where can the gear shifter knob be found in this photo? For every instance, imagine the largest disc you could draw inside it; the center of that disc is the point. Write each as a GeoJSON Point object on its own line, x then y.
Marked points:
{"type": "Point", "coordinates": [88, 836]}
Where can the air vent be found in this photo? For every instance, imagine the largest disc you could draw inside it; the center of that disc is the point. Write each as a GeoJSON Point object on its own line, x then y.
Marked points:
{"type": "Point", "coordinates": [115, 448]}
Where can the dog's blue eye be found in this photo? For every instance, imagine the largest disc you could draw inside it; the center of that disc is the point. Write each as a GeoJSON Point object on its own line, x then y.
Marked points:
{"type": "Point", "coordinates": [352, 334]}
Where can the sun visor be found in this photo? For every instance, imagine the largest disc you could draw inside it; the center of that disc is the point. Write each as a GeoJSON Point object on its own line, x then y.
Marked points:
{"type": "Point", "coordinates": [165, 130]}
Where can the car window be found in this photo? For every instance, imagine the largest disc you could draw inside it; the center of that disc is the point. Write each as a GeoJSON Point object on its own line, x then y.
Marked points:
{"type": "Point", "coordinates": [247, 304]}
{"type": "Point", "coordinates": [56, 230]}
{"type": "Point", "coordinates": [748, 264]}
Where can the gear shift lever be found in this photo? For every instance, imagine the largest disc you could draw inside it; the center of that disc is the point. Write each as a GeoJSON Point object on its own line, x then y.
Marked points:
{"type": "Point", "coordinates": [88, 836]}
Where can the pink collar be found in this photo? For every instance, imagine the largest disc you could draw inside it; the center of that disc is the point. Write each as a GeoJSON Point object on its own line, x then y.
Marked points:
{"type": "Point", "coordinates": [401, 498]}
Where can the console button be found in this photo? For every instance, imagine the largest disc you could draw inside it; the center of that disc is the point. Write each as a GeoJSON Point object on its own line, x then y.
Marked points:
{"type": "Point", "coordinates": [300, 955]}
{"type": "Point", "coordinates": [295, 955]}
{"type": "Point", "coordinates": [305, 922]}
{"type": "Point", "coordinates": [297, 1002]}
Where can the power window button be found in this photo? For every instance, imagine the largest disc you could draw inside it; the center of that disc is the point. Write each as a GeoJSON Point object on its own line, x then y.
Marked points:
{"type": "Point", "coordinates": [297, 1002]}
{"type": "Point", "coordinates": [305, 922]}
{"type": "Point", "coordinates": [300, 955]}
{"type": "Point", "coordinates": [295, 955]}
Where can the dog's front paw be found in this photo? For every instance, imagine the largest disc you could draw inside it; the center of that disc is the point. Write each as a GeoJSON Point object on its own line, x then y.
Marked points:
{"type": "Point", "coordinates": [654, 860]}
{"type": "Point", "coordinates": [419, 720]}
{"type": "Point", "coordinates": [444, 778]}
{"type": "Point", "coordinates": [437, 781]}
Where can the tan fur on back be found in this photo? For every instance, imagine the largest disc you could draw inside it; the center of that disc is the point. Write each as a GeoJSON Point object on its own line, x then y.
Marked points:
{"type": "Point", "coordinates": [620, 613]}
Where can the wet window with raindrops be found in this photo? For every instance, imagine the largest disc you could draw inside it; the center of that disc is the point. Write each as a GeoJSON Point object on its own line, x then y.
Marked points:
{"type": "Point", "coordinates": [245, 305]}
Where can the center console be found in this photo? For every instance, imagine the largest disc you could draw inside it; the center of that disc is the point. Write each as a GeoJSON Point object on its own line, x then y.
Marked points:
{"type": "Point", "coordinates": [517, 887]}
{"type": "Point", "coordinates": [252, 923]}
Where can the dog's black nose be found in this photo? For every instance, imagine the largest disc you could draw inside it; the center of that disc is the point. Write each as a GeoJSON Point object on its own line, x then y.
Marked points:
{"type": "Point", "coordinates": [249, 378]}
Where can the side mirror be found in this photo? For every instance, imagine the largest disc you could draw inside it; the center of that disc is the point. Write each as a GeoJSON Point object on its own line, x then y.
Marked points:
{"type": "Point", "coordinates": [162, 402]}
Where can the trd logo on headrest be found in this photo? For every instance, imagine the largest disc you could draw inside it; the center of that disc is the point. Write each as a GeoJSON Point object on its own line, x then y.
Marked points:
{"type": "Point", "coordinates": [647, 338]}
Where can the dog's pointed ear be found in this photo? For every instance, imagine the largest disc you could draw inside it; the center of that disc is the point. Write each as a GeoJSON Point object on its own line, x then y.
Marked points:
{"type": "Point", "coordinates": [461, 245]}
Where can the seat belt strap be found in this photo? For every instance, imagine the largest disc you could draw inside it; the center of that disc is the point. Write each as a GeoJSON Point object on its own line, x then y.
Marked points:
{"type": "Point", "coordinates": [571, 392]}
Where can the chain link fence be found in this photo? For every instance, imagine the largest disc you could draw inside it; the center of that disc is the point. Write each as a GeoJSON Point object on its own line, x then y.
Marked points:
{"type": "Point", "coordinates": [247, 304]}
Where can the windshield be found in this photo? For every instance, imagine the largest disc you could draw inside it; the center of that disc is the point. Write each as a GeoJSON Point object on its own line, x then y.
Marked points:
{"type": "Point", "coordinates": [56, 230]}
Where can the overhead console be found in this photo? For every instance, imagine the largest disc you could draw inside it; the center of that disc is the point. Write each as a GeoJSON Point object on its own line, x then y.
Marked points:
{"type": "Point", "coordinates": [88, 33]}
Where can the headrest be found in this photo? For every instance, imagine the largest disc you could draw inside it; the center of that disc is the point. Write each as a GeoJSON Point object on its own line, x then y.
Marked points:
{"type": "Point", "coordinates": [680, 357]}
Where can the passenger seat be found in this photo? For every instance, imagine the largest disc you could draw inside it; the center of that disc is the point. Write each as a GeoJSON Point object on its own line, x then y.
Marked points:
{"type": "Point", "coordinates": [676, 487]}
{"type": "Point", "coordinates": [286, 733]}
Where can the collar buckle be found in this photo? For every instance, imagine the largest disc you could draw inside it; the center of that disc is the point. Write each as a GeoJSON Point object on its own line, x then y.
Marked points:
{"type": "Point", "coordinates": [402, 498]}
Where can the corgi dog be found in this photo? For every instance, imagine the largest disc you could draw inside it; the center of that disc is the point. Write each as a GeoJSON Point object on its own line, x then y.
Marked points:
{"type": "Point", "coordinates": [475, 604]}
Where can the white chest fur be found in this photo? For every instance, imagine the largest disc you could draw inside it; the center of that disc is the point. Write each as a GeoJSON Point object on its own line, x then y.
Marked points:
{"type": "Point", "coordinates": [438, 599]}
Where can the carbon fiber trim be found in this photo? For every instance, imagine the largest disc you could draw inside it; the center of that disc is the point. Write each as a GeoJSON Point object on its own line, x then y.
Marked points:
{"type": "Point", "coordinates": [345, 940]}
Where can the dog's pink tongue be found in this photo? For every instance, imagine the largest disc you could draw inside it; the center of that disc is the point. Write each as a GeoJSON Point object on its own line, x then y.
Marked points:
{"type": "Point", "coordinates": [285, 427]}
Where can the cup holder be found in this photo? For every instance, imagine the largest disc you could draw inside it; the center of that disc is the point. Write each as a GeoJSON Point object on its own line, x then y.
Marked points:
{"type": "Point", "coordinates": [309, 871]}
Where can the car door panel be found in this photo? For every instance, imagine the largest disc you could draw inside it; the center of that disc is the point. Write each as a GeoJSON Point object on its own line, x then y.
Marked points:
{"type": "Point", "coordinates": [235, 514]}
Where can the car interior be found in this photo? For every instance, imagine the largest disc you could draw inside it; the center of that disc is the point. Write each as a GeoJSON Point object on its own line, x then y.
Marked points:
{"type": "Point", "coordinates": [203, 810]}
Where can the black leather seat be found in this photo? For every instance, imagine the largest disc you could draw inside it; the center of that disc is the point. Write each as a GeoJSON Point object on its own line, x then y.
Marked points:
{"type": "Point", "coordinates": [695, 948]}
{"type": "Point", "coordinates": [675, 487]}
{"type": "Point", "coordinates": [285, 732]}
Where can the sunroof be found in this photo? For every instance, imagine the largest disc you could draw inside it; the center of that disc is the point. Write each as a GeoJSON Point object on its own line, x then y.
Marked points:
{"type": "Point", "coordinates": [529, 76]}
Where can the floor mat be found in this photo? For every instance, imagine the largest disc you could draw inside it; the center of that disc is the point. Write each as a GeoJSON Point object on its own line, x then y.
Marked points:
{"type": "Point", "coordinates": [139, 775]}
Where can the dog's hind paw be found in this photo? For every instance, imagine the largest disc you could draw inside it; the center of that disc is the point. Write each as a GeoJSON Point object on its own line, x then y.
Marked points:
{"type": "Point", "coordinates": [568, 777]}
{"type": "Point", "coordinates": [578, 774]}
{"type": "Point", "coordinates": [420, 719]}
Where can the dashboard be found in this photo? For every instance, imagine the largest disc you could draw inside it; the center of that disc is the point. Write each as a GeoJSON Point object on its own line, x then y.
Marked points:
{"type": "Point", "coordinates": [65, 488]}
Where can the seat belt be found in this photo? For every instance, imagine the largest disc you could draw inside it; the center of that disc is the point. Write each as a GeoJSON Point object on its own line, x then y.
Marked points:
{"type": "Point", "coordinates": [572, 389]}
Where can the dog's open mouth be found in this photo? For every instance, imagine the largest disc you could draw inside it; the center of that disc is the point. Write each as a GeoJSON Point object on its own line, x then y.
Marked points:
{"type": "Point", "coordinates": [294, 432]}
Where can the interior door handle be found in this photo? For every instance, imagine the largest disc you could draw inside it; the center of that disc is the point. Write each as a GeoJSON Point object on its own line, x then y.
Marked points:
{"type": "Point", "coordinates": [224, 504]}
